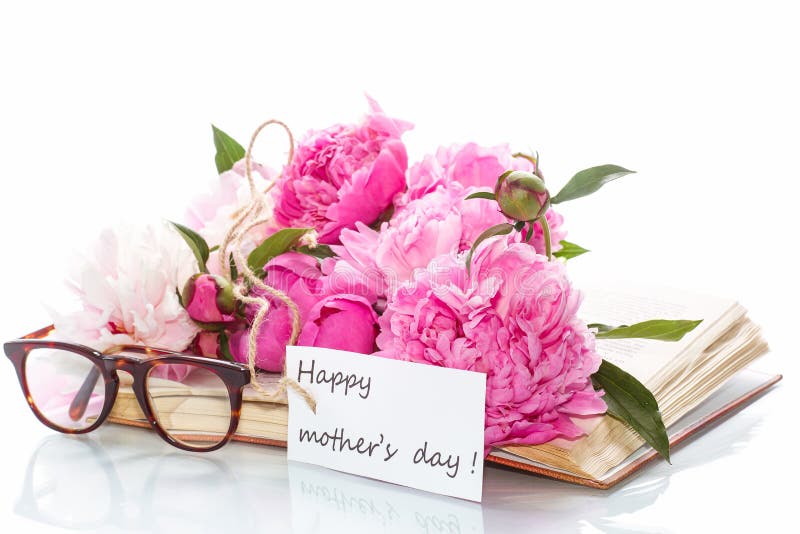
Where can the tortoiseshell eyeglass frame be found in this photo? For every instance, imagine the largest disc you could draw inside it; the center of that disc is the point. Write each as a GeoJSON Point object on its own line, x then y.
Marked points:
{"type": "Point", "coordinates": [106, 364]}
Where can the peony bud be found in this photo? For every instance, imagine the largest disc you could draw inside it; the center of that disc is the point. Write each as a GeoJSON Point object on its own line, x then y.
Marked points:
{"type": "Point", "coordinates": [209, 299]}
{"type": "Point", "coordinates": [522, 195]}
{"type": "Point", "coordinates": [206, 344]}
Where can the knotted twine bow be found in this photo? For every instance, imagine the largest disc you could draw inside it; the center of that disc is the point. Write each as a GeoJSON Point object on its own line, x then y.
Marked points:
{"type": "Point", "coordinates": [245, 219]}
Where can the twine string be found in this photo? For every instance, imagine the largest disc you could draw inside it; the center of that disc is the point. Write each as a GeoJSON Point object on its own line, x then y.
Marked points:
{"type": "Point", "coordinates": [257, 202]}
{"type": "Point", "coordinates": [245, 220]}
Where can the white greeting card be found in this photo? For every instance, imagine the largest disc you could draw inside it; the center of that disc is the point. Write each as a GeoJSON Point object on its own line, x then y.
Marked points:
{"type": "Point", "coordinates": [416, 425]}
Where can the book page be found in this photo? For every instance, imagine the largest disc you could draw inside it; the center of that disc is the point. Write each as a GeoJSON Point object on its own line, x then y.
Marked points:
{"type": "Point", "coordinates": [204, 384]}
{"type": "Point", "coordinates": [738, 389]}
{"type": "Point", "coordinates": [617, 305]}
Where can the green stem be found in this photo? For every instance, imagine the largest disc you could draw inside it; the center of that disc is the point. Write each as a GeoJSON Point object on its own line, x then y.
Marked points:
{"type": "Point", "coordinates": [533, 159]}
{"type": "Point", "coordinates": [548, 248]}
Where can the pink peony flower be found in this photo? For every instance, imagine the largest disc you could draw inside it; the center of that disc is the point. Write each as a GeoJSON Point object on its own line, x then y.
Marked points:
{"type": "Point", "coordinates": [476, 167]}
{"type": "Point", "coordinates": [344, 322]}
{"type": "Point", "coordinates": [206, 344]}
{"type": "Point", "coordinates": [346, 278]}
{"type": "Point", "coordinates": [469, 165]}
{"type": "Point", "coordinates": [440, 222]}
{"type": "Point", "coordinates": [329, 319]}
{"type": "Point", "coordinates": [548, 347]}
{"type": "Point", "coordinates": [514, 319]}
{"type": "Point", "coordinates": [272, 338]}
{"type": "Point", "coordinates": [423, 229]}
{"type": "Point", "coordinates": [343, 175]}
{"type": "Point", "coordinates": [423, 320]}
{"type": "Point", "coordinates": [212, 214]}
{"type": "Point", "coordinates": [208, 298]}
{"type": "Point", "coordinates": [298, 276]}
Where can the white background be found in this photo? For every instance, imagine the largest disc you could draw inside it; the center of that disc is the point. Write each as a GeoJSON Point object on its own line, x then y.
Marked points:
{"type": "Point", "coordinates": [105, 112]}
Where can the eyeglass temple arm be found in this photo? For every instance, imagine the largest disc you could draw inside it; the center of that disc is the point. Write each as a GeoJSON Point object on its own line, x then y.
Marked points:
{"type": "Point", "coordinates": [81, 401]}
{"type": "Point", "coordinates": [41, 333]}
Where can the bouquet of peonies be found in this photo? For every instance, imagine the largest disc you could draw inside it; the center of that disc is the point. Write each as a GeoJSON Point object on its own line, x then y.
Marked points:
{"type": "Point", "coordinates": [457, 260]}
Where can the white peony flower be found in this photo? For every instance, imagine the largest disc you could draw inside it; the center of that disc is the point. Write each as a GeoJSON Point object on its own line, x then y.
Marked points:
{"type": "Point", "coordinates": [126, 288]}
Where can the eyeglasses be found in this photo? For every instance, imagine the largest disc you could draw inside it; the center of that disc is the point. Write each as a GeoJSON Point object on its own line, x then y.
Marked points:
{"type": "Point", "coordinates": [62, 384]}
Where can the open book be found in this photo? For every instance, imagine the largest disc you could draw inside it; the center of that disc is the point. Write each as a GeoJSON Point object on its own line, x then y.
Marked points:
{"type": "Point", "coordinates": [694, 380]}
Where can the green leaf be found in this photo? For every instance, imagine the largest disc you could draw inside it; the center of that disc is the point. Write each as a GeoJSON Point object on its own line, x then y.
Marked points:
{"type": "Point", "coordinates": [588, 181]}
{"type": "Point", "coordinates": [498, 229]}
{"type": "Point", "coordinates": [210, 327]}
{"type": "Point", "coordinates": [224, 347]}
{"type": "Point", "coordinates": [569, 250]}
{"type": "Point", "coordinates": [385, 216]}
{"type": "Point", "coordinates": [660, 329]}
{"type": "Point", "coordinates": [529, 233]}
{"type": "Point", "coordinates": [482, 194]}
{"type": "Point", "coordinates": [631, 402]}
{"type": "Point", "coordinates": [234, 269]}
{"type": "Point", "coordinates": [273, 246]}
{"type": "Point", "coordinates": [228, 150]}
{"type": "Point", "coordinates": [320, 251]}
{"type": "Point", "coordinates": [196, 243]}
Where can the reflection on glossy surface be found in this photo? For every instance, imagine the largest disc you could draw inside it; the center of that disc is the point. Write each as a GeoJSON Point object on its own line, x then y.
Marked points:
{"type": "Point", "coordinates": [564, 507]}
{"type": "Point", "coordinates": [53, 494]}
{"type": "Point", "coordinates": [322, 497]}
{"type": "Point", "coordinates": [121, 478]}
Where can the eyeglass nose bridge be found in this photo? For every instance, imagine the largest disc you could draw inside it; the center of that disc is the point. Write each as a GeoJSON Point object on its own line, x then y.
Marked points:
{"type": "Point", "coordinates": [123, 362]}
{"type": "Point", "coordinates": [132, 366]}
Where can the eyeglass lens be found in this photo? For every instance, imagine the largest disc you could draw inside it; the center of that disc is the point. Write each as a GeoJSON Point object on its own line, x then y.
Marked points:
{"type": "Point", "coordinates": [195, 411]}
{"type": "Point", "coordinates": [55, 379]}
